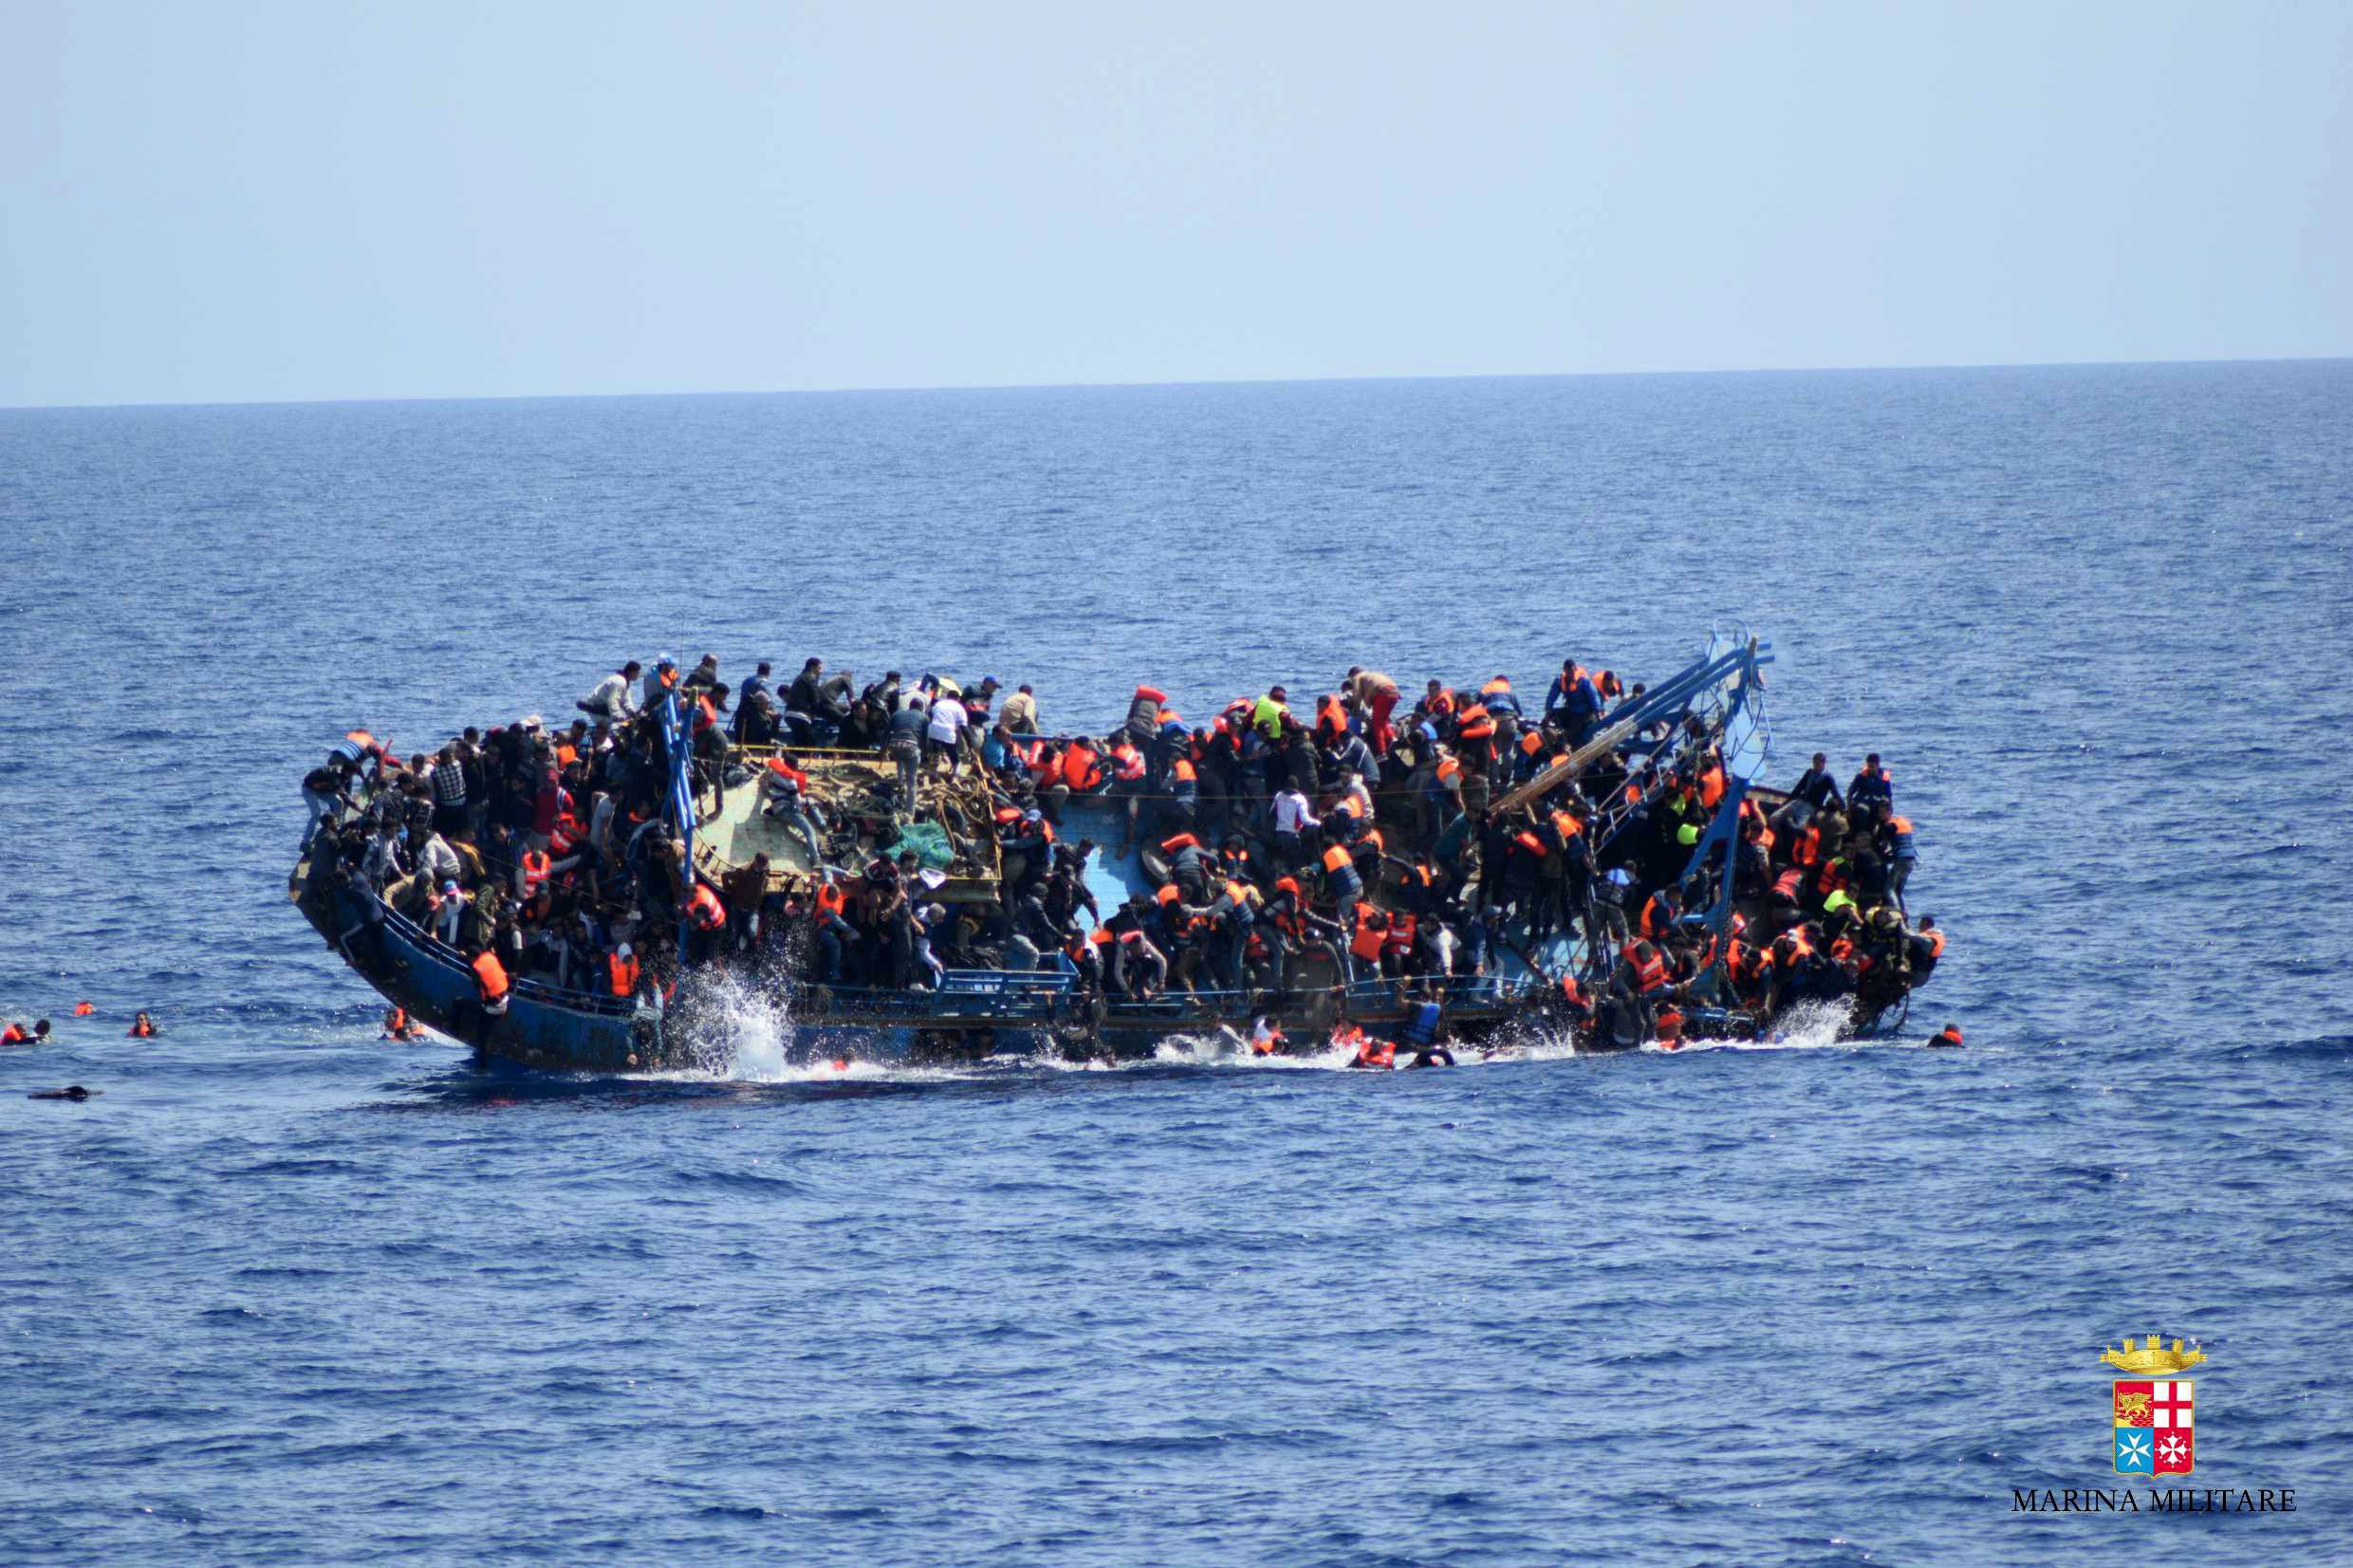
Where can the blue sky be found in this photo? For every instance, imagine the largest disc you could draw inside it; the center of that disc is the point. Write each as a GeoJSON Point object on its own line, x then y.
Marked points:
{"type": "Point", "coordinates": [235, 201]}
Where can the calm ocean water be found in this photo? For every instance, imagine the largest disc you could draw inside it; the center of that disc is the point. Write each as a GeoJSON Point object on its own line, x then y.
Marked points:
{"type": "Point", "coordinates": [287, 1294]}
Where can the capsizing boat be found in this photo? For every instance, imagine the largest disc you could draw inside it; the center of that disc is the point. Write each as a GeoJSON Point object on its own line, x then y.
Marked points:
{"type": "Point", "coordinates": [1709, 716]}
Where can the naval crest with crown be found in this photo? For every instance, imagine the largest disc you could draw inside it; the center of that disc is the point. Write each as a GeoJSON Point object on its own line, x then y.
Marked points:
{"type": "Point", "coordinates": [2152, 1410]}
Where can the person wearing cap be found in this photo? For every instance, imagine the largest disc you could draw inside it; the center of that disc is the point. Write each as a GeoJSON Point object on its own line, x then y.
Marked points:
{"type": "Point", "coordinates": [449, 907]}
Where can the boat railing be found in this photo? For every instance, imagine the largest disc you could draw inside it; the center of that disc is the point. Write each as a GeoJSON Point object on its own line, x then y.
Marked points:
{"type": "Point", "coordinates": [1046, 997]}
{"type": "Point", "coordinates": [430, 946]}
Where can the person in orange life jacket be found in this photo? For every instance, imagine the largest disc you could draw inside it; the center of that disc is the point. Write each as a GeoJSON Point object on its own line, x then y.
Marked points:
{"type": "Point", "coordinates": [1660, 913]}
{"type": "Point", "coordinates": [1289, 925]}
{"type": "Point", "coordinates": [1368, 939]}
{"type": "Point", "coordinates": [1139, 967]}
{"type": "Point", "coordinates": [1169, 740]}
{"type": "Point", "coordinates": [622, 972]}
{"type": "Point", "coordinates": [143, 1027]}
{"type": "Point", "coordinates": [1870, 787]}
{"type": "Point", "coordinates": [1374, 1054]}
{"type": "Point", "coordinates": [1181, 783]}
{"type": "Point", "coordinates": [1231, 911]}
{"type": "Point", "coordinates": [1497, 698]}
{"type": "Point", "coordinates": [1188, 865]}
{"type": "Point", "coordinates": [1341, 884]}
{"type": "Point", "coordinates": [1927, 946]}
{"type": "Point", "coordinates": [836, 937]}
{"type": "Point", "coordinates": [1893, 836]}
{"type": "Point", "coordinates": [1127, 785]}
{"type": "Point", "coordinates": [478, 1015]}
{"type": "Point", "coordinates": [1949, 1035]}
{"type": "Point", "coordinates": [396, 1026]}
{"type": "Point", "coordinates": [1265, 1038]}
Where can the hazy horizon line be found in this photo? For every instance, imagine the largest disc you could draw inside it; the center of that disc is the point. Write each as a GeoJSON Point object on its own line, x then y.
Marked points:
{"type": "Point", "coordinates": [899, 388]}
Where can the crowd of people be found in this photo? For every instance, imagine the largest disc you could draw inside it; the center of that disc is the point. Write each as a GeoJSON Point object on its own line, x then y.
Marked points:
{"type": "Point", "coordinates": [546, 852]}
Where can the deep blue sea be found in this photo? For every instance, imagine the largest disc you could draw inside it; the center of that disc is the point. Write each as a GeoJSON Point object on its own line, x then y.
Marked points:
{"type": "Point", "coordinates": [288, 1294]}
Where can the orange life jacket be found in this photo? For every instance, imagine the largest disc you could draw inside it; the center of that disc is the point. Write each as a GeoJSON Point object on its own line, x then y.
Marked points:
{"type": "Point", "coordinates": [535, 866]}
{"type": "Point", "coordinates": [1950, 1034]}
{"type": "Point", "coordinates": [1710, 787]}
{"type": "Point", "coordinates": [1127, 762]}
{"type": "Point", "coordinates": [1371, 933]}
{"type": "Point", "coordinates": [830, 899]}
{"type": "Point", "coordinates": [1183, 773]}
{"type": "Point", "coordinates": [83, 1009]}
{"type": "Point", "coordinates": [1347, 1034]}
{"type": "Point", "coordinates": [1182, 840]}
{"type": "Point", "coordinates": [1528, 841]}
{"type": "Point", "coordinates": [1935, 944]}
{"type": "Point", "coordinates": [1337, 859]}
{"type": "Point", "coordinates": [1649, 972]}
{"type": "Point", "coordinates": [1496, 687]}
{"type": "Point", "coordinates": [704, 908]}
{"type": "Point", "coordinates": [1081, 768]}
{"type": "Point", "coordinates": [489, 975]}
{"type": "Point", "coordinates": [786, 771]}
{"type": "Point", "coordinates": [1169, 894]}
{"type": "Point", "coordinates": [1376, 1053]}
{"type": "Point", "coordinates": [1400, 935]}
{"type": "Point", "coordinates": [623, 974]}
{"type": "Point", "coordinates": [142, 1030]}
{"type": "Point", "coordinates": [1670, 1028]}
{"type": "Point", "coordinates": [397, 1023]}
{"type": "Point", "coordinates": [14, 1035]}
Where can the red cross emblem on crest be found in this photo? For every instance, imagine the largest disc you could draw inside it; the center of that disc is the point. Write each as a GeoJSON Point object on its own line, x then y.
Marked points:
{"type": "Point", "coordinates": [2155, 1434]}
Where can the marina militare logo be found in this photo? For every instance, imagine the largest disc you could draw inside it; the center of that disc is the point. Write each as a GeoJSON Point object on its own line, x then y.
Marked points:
{"type": "Point", "coordinates": [2154, 1411]}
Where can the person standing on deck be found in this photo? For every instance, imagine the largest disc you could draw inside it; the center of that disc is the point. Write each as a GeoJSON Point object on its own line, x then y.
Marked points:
{"type": "Point", "coordinates": [943, 732]}
{"type": "Point", "coordinates": [1814, 793]}
{"type": "Point", "coordinates": [905, 745]}
{"type": "Point", "coordinates": [1869, 787]}
{"type": "Point", "coordinates": [1378, 696]}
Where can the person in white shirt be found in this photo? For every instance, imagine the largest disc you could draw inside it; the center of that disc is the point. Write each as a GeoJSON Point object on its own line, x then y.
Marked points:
{"type": "Point", "coordinates": [610, 700]}
{"type": "Point", "coordinates": [1291, 819]}
{"type": "Point", "coordinates": [941, 735]}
